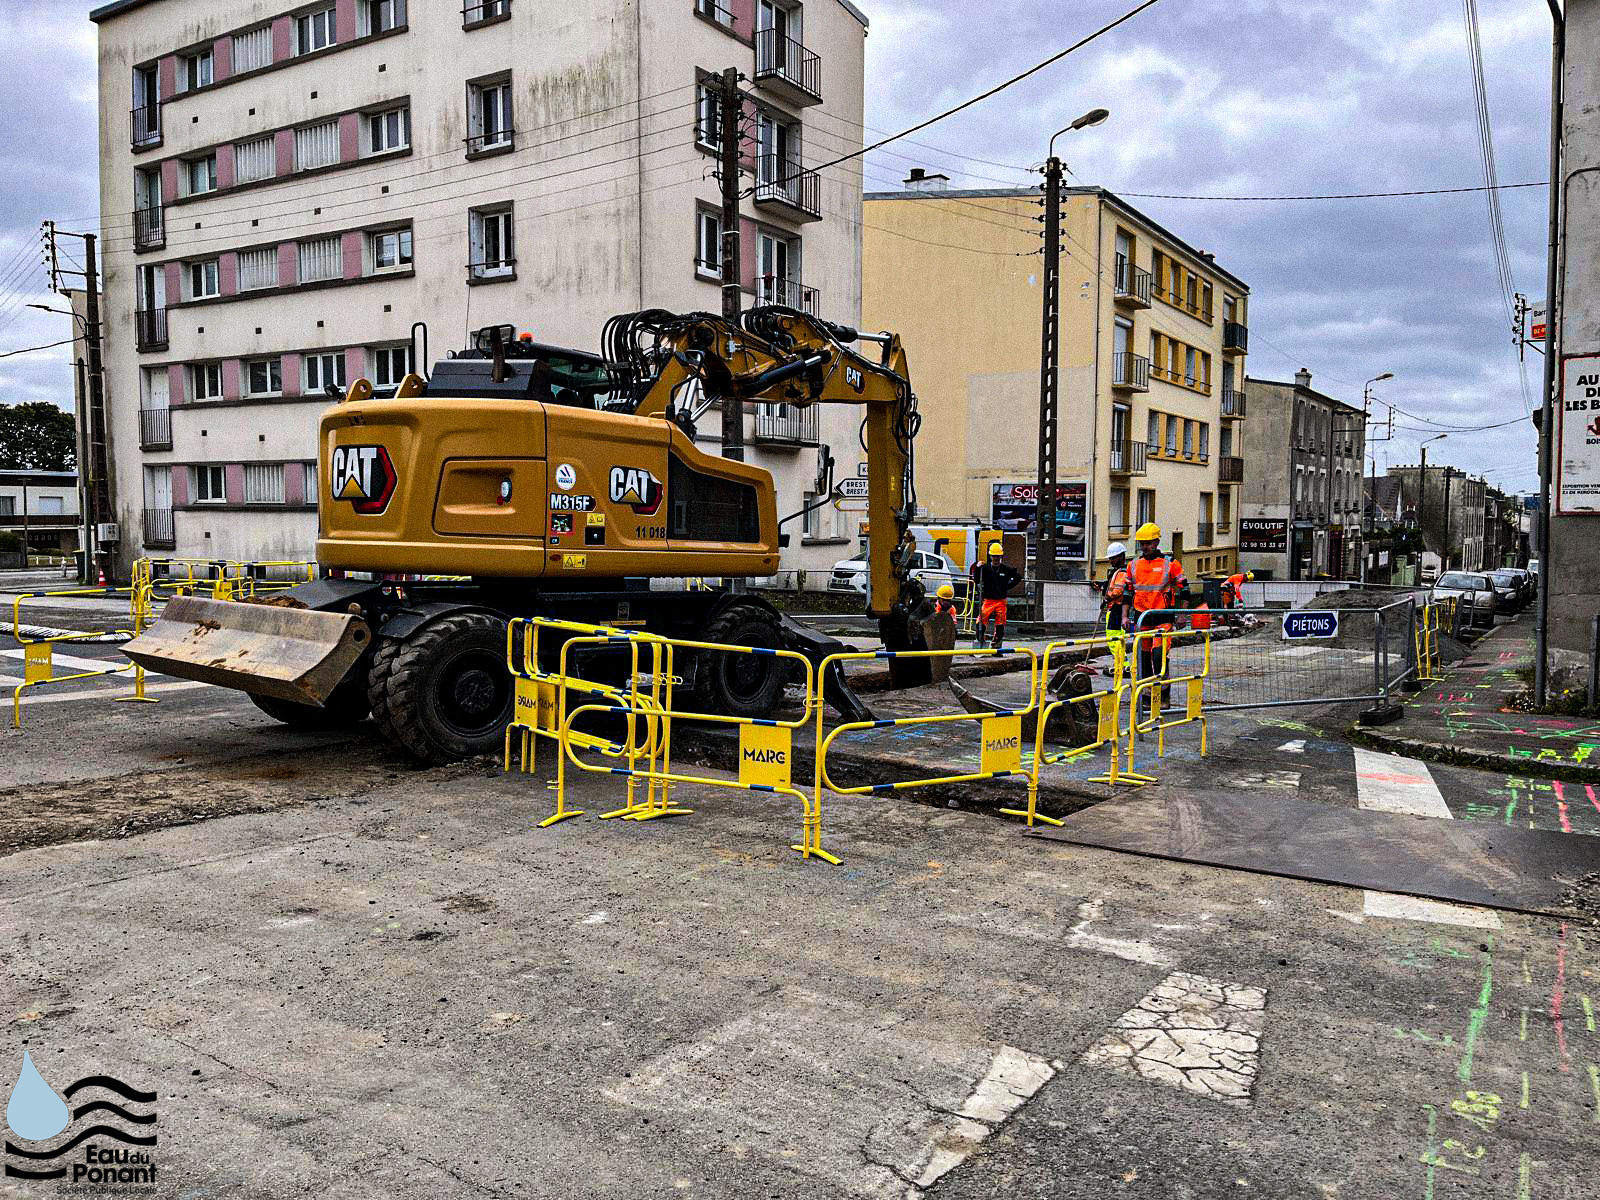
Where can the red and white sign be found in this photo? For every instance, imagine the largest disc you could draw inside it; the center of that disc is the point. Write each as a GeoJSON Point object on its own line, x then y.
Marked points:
{"type": "Point", "coordinates": [1577, 446]}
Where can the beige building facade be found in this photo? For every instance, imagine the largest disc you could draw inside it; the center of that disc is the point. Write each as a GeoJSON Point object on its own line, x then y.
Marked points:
{"type": "Point", "coordinates": [288, 190]}
{"type": "Point", "coordinates": [1153, 341]}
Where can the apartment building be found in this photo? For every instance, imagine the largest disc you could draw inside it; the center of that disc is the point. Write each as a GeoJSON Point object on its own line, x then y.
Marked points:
{"type": "Point", "coordinates": [1448, 505]}
{"type": "Point", "coordinates": [291, 192]}
{"type": "Point", "coordinates": [38, 512]}
{"type": "Point", "coordinates": [1301, 506]}
{"type": "Point", "coordinates": [1153, 339]}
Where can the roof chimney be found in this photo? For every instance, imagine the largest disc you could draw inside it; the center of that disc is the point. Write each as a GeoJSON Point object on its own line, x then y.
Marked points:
{"type": "Point", "coordinates": [1302, 379]}
{"type": "Point", "coordinates": [920, 181]}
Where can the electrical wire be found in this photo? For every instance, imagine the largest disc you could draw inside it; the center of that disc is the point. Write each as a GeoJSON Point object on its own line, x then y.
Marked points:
{"type": "Point", "coordinates": [1445, 191]}
{"type": "Point", "coordinates": [36, 349]}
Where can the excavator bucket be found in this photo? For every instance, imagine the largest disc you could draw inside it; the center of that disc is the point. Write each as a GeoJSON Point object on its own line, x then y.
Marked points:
{"type": "Point", "coordinates": [295, 654]}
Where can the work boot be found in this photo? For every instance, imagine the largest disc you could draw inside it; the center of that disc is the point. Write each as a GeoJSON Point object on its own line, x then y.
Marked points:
{"type": "Point", "coordinates": [999, 636]}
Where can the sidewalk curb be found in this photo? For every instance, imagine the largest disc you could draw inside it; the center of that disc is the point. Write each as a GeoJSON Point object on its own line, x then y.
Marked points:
{"type": "Point", "coordinates": [1452, 755]}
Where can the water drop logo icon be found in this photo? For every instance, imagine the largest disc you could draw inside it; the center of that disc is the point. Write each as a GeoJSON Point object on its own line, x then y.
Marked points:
{"type": "Point", "coordinates": [34, 1111]}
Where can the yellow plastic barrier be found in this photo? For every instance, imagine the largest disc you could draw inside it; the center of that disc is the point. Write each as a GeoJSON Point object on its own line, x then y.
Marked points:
{"type": "Point", "coordinates": [1108, 727]}
{"type": "Point", "coordinates": [1153, 685]}
{"type": "Point", "coordinates": [766, 745]}
{"type": "Point", "coordinates": [38, 653]}
{"type": "Point", "coordinates": [1000, 731]}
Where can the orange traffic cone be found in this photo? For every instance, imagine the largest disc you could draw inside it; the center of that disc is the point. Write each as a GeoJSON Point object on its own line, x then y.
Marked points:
{"type": "Point", "coordinates": [102, 577]}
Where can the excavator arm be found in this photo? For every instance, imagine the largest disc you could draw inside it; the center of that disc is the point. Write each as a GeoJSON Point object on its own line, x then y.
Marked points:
{"type": "Point", "coordinates": [676, 363]}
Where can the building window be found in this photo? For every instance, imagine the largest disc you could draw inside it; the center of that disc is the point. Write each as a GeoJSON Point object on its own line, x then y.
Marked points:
{"type": "Point", "coordinates": [316, 146]}
{"type": "Point", "coordinates": [208, 485]}
{"type": "Point", "coordinates": [1205, 442]}
{"type": "Point", "coordinates": [1189, 362]}
{"type": "Point", "coordinates": [252, 49]}
{"type": "Point", "coordinates": [708, 245]}
{"type": "Point", "coordinates": [194, 71]}
{"type": "Point", "coordinates": [205, 381]}
{"type": "Point", "coordinates": [263, 483]}
{"type": "Point", "coordinates": [493, 242]}
{"type": "Point", "coordinates": [1147, 506]}
{"type": "Point", "coordinates": [146, 106]}
{"type": "Point", "coordinates": [380, 16]}
{"type": "Point", "coordinates": [389, 130]}
{"type": "Point", "coordinates": [1153, 433]}
{"type": "Point", "coordinates": [1225, 440]}
{"type": "Point", "coordinates": [316, 30]}
{"type": "Point", "coordinates": [778, 270]}
{"type": "Point", "coordinates": [477, 11]}
{"type": "Point", "coordinates": [321, 258]}
{"type": "Point", "coordinates": [258, 269]}
{"type": "Point", "coordinates": [147, 224]}
{"type": "Point", "coordinates": [708, 117]}
{"type": "Point", "coordinates": [263, 377]}
{"type": "Point", "coordinates": [322, 371]}
{"type": "Point", "coordinates": [200, 175]}
{"type": "Point", "coordinates": [489, 115]}
{"type": "Point", "coordinates": [390, 365]}
{"type": "Point", "coordinates": [716, 10]}
{"type": "Point", "coordinates": [255, 160]}
{"type": "Point", "coordinates": [1188, 439]}
{"type": "Point", "coordinates": [389, 250]}
{"type": "Point", "coordinates": [1225, 509]}
{"type": "Point", "coordinates": [1172, 436]}
{"type": "Point", "coordinates": [203, 280]}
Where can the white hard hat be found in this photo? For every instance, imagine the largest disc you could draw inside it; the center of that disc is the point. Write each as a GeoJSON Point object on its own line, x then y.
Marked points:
{"type": "Point", "coordinates": [1115, 549]}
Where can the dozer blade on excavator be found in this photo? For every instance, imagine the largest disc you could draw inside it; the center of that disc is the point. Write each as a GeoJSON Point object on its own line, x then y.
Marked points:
{"type": "Point", "coordinates": [295, 654]}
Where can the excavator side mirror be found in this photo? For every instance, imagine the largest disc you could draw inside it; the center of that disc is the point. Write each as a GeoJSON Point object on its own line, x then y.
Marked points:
{"type": "Point", "coordinates": [783, 541]}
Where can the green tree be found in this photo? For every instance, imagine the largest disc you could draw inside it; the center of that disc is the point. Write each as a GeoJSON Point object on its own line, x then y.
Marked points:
{"type": "Point", "coordinates": [37, 437]}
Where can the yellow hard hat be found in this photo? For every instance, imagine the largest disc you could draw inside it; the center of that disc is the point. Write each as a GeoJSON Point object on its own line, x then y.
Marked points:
{"type": "Point", "coordinates": [946, 592]}
{"type": "Point", "coordinates": [996, 548]}
{"type": "Point", "coordinates": [1148, 532]}
{"type": "Point", "coordinates": [1249, 576]}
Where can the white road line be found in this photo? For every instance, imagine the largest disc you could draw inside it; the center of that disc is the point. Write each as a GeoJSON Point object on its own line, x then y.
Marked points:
{"type": "Point", "coordinates": [1390, 783]}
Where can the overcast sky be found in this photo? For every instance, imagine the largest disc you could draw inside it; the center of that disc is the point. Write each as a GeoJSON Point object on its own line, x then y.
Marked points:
{"type": "Point", "coordinates": [1208, 97]}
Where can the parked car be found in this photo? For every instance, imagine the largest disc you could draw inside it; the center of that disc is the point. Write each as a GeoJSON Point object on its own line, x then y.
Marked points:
{"type": "Point", "coordinates": [934, 570]}
{"type": "Point", "coordinates": [1470, 588]}
{"type": "Point", "coordinates": [1526, 581]}
{"type": "Point", "coordinates": [1507, 592]}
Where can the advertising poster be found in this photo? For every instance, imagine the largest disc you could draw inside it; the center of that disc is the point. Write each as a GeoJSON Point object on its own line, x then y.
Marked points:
{"type": "Point", "coordinates": [1013, 507]}
{"type": "Point", "coordinates": [1577, 482]}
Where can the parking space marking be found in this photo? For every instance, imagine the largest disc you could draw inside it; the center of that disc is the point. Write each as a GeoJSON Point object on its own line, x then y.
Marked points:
{"type": "Point", "coordinates": [1190, 1032]}
{"type": "Point", "coordinates": [1391, 783]}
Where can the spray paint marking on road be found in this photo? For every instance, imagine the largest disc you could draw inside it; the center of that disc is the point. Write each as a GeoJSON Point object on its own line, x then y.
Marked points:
{"type": "Point", "coordinates": [1588, 1012]}
{"type": "Point", "coordinates": [1480, 1013]}
{"type": "Point", "coordinates": [1561, 806]}
{"type": "Point", "coordinates": [1594, 1086]}
{"type": "Point", "coordinates": [1558, 994]}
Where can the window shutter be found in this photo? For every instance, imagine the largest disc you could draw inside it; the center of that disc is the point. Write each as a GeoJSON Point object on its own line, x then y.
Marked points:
{"type": "Point", "coordinates": [255, 160]}
{"type": "Point", "coordinates": [252, 50]}
{"type": "Point", "coordinates": [316, 146]}
{"type": "Point", "coordinates": [258, 268]}
{"type": "Point", "coordinates": [321, 258]}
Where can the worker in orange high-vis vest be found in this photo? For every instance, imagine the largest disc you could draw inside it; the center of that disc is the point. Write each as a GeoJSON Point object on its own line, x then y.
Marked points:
{"type": "Point", "coordinates": [1116, 590]}
{"type": "Point", "coordinates": [1157, 582]}
{"type": "Point", "coordinates": [1233, 589]}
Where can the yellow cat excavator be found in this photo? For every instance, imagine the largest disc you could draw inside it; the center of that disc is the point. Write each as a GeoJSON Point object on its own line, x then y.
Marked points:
{"type": "Point", "coordinates": [521, 480]}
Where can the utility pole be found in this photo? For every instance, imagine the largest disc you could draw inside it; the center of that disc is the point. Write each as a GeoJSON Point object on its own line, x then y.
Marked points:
{"type": "Point", "coordinates": [1049, 380]}
{"type": "Point", "coordinates": [97, 469]}
{"type": "Point", "coordinates": [730, 101]}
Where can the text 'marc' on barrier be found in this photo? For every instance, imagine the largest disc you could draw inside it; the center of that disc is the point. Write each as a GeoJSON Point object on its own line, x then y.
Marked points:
{"type": "Point", "coordinates": [1002, 744]}
{"type": "Point", "coordinates": [1303, 626]}
{"type": "Point", "coordinates": [765, 755]}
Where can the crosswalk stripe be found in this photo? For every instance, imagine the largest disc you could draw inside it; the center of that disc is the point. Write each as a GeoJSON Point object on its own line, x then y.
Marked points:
{"type": "Point", "coordinates": [1390, 783]}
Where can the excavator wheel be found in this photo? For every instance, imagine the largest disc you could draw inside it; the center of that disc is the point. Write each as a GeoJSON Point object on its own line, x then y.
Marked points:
{"type": "Point", "coordinates": [444, 694]}
{"type": "Point", "coordinates": [743, 685]}
{"type": "Point", "coordinates": [345, 708]}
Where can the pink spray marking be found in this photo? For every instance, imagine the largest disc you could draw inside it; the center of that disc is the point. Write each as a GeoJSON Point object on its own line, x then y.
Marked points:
{"type": "Point", "coordinates": [1559, 994]}
{"type": "Point", "coordinates": [1589, 787]}
{"type": "Point", "coordinates": [1561, 806]}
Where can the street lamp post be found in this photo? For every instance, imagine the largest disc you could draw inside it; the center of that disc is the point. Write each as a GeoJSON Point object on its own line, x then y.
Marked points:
{"type": "Point", "coordinates": [1366, 508]}
{"type": "Point", "coordinates": [1044, 540]}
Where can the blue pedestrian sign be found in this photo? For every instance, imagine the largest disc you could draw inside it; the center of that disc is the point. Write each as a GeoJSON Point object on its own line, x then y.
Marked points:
{"type": "Point", "coordinates": [1301, 626]}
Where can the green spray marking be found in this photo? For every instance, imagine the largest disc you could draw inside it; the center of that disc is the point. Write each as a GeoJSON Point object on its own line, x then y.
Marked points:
{"type": "Point", "coordinates": [1480, 1013]}
{"type": "Point", "coordinates": [1428, 1155]}
{"type": "Point", "coordinates": [1594, 1086]}
{"type": "Point", "coordinates": [1524, 1170]}
{"type": "Point", "coordinates": [1588, 1012]}
{"type": "Point", "coordinates": [1522, 1034]}
{"type": "Point", "coordinates": [1511, 810]}
{"type": "Point", "coordinates": [1524, 1090]}
{"type": "Point", "coordinates": [1527, 976]}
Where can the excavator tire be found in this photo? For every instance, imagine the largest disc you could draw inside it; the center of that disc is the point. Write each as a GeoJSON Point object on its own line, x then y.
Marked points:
{"type": "Point", "coordinates": [743, 685]}
{"type": "Point", "coordinates": [443, 694]}
{"type": "Point", "coordinates": [347, 707]}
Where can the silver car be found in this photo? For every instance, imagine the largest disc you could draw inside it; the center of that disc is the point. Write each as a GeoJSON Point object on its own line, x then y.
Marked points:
{"type": "Point", "coordinates": [1470, 588]}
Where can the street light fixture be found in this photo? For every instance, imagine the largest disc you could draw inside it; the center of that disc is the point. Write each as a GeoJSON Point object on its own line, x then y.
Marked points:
{"type": "Point", "coordinates": [1044, 535]}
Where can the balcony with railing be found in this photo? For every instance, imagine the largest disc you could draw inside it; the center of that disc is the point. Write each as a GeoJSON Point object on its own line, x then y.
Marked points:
{"type": "Point", "coordinates": [786, 425]}
{"type": "Point", "coordinates": [791, 293]}
{"type": "Point", "coordinates": [159, 533]}
{"type": "Point", "coordinates": [783, 184]}
{"type": "Point", "coordinates": [1235, 338]}
{"type": "Point", "coordinates": [1130, 372]}
{"type": "Point", "coordinates": [1230, 469]}
{"type": "Point", "coordinates": [1233, 403]}
{"type": "Point", "coordinates": [1205, 533]}
{"type": "Point", "coordinates": [1132, 284]}
{"type": "Point", "coordinates": [155, 429]}
{"type": "Point", "coordinates": [146, 126]}
{"type": "Point", "coordinates": [1129, 458]}
{"type": "Point", "coordinates": [150, 329]}
{"type": "Point", "coordinates": [149, 228]}
{"type": "Point", "coordinates": [787, 69]}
